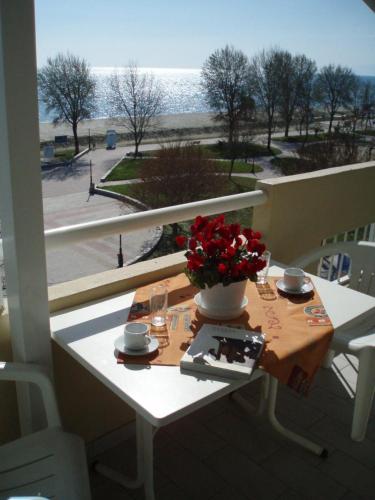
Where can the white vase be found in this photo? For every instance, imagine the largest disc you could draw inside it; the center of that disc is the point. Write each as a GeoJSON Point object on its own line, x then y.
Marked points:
{"type": "Point", "coordinates": [227, 301]}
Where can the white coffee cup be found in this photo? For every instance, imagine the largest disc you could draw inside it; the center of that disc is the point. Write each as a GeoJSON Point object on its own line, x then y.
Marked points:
{"type": "Point", "coordinates": [135, 336]}
{"type": "Point", "coordinates": [294, 278]}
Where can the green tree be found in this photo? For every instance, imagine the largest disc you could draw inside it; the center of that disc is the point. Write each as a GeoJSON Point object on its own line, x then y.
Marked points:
{"type": "Point", "coordinates": [67, 88]}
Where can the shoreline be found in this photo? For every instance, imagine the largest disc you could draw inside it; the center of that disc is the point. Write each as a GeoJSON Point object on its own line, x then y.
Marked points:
{"type": "Point", "coordinates": [99, 126]}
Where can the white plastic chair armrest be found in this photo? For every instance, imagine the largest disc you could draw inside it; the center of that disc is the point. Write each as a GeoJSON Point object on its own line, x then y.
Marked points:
{"type": "Point", "coordinates": [35, 374]}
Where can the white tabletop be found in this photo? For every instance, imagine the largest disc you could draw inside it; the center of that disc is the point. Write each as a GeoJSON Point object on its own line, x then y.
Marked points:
{"type": "Point", "coordinates": [162, 394]}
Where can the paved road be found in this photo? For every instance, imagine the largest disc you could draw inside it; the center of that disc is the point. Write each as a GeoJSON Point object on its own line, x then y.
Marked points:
{"type": "Point", "coordinates": [75, 261]}
{"type": "Point", "coordinates": [66, 201]}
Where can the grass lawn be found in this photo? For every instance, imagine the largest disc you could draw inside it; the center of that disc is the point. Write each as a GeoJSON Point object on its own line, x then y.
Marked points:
{"type": "Point", "coordinates": [301, 138]}
{"type": "Point", "coordinates": [125, 170]}
{"type": "Point", "coordinates": [129, 169]}
{"type": "Point", "coordinates": [251, 150]}
{"type": "Point", "coordinates": [239, 167]}
{"type": "Point", "coordinates": [64, 154]}
{"type": "Point", "coordinates": [291, 166]}
{"type": "Point", "coordinates": [234, 186]}
{"type": "Point", "coordinates": [316, 138]}
{"type": "Point", "coordinates": [368, 132]}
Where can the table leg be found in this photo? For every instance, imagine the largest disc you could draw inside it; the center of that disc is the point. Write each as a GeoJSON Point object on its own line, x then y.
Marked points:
{"type": "Point", "coordinates": [148, 458]}
{"type": "Point", "coordinates": [120, 478]}
{"type": "Point", "coordinates": [364, 394]}
{"type": "Point", "coordinates": [268, 402]}
{"type": "Point", "coordinates": [302, 441]}
{"type": "Point", "coordinates": [248, 407]}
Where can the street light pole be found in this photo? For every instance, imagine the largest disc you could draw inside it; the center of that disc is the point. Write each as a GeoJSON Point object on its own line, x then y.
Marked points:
{"type": "Point", "coordinates": [92, 185]}
{"type": "Point", "coordinates": [120, 257]}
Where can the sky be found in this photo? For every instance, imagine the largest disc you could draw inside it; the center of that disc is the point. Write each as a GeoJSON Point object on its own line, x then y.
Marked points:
{"type": "Point", "coordinates": [182, 34]}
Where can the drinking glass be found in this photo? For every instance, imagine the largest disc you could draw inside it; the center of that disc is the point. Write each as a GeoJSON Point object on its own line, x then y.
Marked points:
{"type": "Point", "coordinates": [262, 275]}
{"type": "Point", "coordinates": [158, 305]}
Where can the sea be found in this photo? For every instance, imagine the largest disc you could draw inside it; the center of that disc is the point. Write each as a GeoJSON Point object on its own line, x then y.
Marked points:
{"type": "Point", "coordinates": [182, 88]}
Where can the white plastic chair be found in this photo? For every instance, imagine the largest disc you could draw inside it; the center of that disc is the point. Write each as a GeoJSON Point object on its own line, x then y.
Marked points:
{"type": "Point", "coordinates": [360, 344]}
{"type": "Point", "coordinates": [49, 463]}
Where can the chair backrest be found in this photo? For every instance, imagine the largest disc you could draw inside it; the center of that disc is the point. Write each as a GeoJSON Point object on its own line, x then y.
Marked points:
{"type": "Point", "coordinates": [362, 268]}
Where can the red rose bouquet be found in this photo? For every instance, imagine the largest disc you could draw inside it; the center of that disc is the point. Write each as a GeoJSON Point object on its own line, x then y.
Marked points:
{"type": "Point", "coordinates": [221, 253]}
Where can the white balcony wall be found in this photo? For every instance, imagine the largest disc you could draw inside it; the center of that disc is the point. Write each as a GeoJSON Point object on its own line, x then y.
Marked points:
{"type": "Point", "coordinates": [302, 210]}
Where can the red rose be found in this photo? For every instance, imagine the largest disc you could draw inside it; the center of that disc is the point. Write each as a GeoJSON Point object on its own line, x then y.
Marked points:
{"type": "Point", "coordinates": [181, 240]}
{"type": "Point", "coordinates": [259, 248]}
{"type": "Point", "coordinates": [192, 243]}
{"type": "Point", "coordinates": [238, 241]}
{"type": "Point", "coordinates": [224, 232]}
{"type": "Point", "coordinates": [222, 268]}
{"type": "Point", "coordinates": [231, 251]}
{"type": "Point", "coordinates": [211, 248]}
{"type": "Point", "coordinates": [251, 268]}
{"type": "Point", "coordinates": [260, 264]}
{"type": "Point", "coordinates": [248, 233]}
{"type": "Point", "coordinates": [236, 270]}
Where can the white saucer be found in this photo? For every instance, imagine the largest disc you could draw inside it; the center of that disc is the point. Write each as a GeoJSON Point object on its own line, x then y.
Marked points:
{"type": "Point", "coordinates": [149, 348]}
{"type": "Point", "coordinates": [220, 313]}
{"type": "Point", "coordinates": [306, 288]}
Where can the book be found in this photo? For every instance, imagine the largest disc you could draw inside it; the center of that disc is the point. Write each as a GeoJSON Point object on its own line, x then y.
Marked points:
{"type": "Point", "coordinates": [224, 351]}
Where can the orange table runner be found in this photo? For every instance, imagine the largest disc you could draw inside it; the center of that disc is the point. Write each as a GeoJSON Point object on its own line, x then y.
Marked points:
{"type": "Point", "coordinates": [294, 348]}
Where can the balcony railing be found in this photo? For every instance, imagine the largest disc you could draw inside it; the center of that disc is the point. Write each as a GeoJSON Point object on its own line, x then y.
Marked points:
{"type": "Point", "coordinates": [141, 220]}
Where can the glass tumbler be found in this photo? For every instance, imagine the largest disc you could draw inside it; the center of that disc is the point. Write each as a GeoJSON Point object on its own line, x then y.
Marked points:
{"type": "Point", "coordinates": [158, 305]}
{"type": "Point", "coordinates": [262, 275]}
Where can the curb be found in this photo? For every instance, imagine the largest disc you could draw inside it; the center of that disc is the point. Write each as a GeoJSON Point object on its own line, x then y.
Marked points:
{"type": "Point", "coordinates": [104, 178]}
{"type": "Point", "coordinates": [50, 166]}
{"type": "Point", "coordinates": [121, 197]}
{"type": "Point", "coordinates": [76, 157]}
{"type": "Point", "coordinates": [158, 229]}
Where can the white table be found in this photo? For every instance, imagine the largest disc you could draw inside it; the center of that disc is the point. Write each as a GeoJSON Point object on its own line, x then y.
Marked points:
{"type": "Point", "coordinates": [161, 394]}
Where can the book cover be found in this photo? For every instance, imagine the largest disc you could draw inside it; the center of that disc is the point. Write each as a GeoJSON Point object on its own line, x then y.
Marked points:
{"type": "Point", "coordinates": [224, 351]}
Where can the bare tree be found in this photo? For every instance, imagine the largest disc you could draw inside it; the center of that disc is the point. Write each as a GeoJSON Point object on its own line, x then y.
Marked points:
{"type": "Point", "coordinates": [226, 83]}
{"type": "Point", "coordinates": [333, 89]}
{"type": "Point", "coordinates": [135, 99]}
{"type": "Point", "coordinates": [178, 174]}
{"type": "Point", "coordinates": [67, 88]}
{"type": "Point", "coordinates": [266, 70]}
{"type": "Point", "coordinates": [355, 105]}
{"type": "Point", "coordinates": [289, 85]}
{"type": "Point", "coordinates": [297, 73]}
{"type": "Point", "coordinates": [305, 99]}
{"type": "Point", "coordinates": [367, 103]}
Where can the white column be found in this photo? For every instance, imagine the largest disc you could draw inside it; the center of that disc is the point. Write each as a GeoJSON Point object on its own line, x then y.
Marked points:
{"type": "Point", "coordinates": [21, 199]}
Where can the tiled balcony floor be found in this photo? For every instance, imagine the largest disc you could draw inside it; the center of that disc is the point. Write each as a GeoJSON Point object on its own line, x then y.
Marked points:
{"type": "Point", "coordinates": [219, 453]}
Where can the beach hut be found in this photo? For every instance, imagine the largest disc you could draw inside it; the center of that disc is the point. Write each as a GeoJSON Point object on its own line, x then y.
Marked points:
{"type": "Point", "coordinates": [111, 139]}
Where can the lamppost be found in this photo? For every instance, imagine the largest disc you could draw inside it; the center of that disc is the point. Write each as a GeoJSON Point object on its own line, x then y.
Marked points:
{"type": "Point", "coordinates": [92, 185]}
{"type": "Point", "coordinates": [120, 257]}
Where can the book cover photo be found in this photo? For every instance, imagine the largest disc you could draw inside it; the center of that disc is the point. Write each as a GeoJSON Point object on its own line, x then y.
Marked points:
{"type": "Point", "coordinates": [226, 351]}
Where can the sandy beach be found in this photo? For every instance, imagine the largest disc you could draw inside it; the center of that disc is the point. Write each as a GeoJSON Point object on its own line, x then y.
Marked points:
{"type": "Point", "coordinates": [99, 126]}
